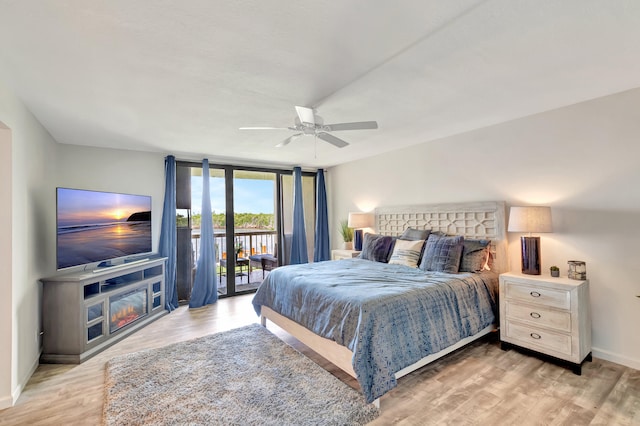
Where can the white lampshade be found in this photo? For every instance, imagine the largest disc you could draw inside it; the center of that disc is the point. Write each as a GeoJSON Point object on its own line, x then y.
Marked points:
{"type": "Point", "coordinates": [530, 219]}
{"type": "Point", "coordinates": [359, 220]}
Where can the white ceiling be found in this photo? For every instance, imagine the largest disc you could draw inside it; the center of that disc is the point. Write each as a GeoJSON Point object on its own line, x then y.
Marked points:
{"type": "Point", "coordinates": [181, 76]}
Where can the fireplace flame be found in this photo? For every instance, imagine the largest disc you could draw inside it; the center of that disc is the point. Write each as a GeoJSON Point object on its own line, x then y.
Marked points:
{"type": "Point", "coordinates": [124, 316]}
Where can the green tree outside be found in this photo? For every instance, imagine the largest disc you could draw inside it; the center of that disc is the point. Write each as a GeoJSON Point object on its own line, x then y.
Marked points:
{"type": "Point", "coordinates": [262, 221]}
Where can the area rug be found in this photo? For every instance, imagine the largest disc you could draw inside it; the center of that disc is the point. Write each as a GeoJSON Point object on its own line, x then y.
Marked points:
{"type": "Point", "coordinates": [245, 376]}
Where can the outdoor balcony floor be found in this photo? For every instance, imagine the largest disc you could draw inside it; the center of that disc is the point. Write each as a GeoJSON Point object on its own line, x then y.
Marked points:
{"type": "Point", "coordinates": [242, 283]}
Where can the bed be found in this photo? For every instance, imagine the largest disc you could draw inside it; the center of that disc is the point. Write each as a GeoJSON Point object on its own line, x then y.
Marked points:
{"type": "Point", "coordinates": [379, 321]}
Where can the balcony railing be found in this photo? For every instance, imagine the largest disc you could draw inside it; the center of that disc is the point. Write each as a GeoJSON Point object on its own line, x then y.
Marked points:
{"type": "Point", "coordinates": [252, 242]}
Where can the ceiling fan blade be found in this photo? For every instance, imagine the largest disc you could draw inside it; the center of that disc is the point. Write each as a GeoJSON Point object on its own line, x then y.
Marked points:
{"type": "Point", "coordinates": [288, 140]}
{"type": "Point", "coordinates": [306, 115]}
{"type": "Point", "coordinates": [264, 128]}
{"type": "Point", "coordinates": [332, 140]}
{"type": "Point", "coordinates": [358, 125]}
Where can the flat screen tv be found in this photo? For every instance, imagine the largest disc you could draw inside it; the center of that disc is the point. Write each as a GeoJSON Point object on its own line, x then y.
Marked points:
{"type": "Point", "coordinates": [95, 226]}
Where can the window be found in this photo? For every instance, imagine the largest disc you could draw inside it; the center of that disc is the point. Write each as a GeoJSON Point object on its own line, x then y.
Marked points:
{"type": "Point", "coordinates": [252, 221]}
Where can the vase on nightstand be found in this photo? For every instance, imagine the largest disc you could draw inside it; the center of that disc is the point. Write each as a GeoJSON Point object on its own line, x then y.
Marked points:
{"type": "Point", "coordinates": [348, 245]}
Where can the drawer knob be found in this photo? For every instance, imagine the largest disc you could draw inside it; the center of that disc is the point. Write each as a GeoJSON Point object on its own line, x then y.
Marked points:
{"type": "Point", "coordinates": [535, 315]}
{"type": "Point", "coordinates": [536, 336]}
{"type": "Point", "coordinates": [535, 294]}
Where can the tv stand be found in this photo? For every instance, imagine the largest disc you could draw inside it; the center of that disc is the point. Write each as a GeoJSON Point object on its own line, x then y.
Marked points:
{"type": "Point", "coordinates": [110, 266]}
{"type": "Point", "coordinates": [85, 312]}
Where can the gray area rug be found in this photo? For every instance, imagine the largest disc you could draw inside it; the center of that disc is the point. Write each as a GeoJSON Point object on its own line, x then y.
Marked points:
{"type": "Point", "coordinates": [245, 376]}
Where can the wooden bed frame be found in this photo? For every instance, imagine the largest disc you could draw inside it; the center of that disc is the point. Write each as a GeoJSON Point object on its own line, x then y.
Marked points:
{"type": "Point", "coordinates": [485, 220]}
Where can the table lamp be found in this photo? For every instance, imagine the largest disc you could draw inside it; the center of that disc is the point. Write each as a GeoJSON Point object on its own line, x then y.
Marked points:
{"type": "Point", "coordinates": [530, 219]}
{"type": "Point", "coordinates": [357, 221]}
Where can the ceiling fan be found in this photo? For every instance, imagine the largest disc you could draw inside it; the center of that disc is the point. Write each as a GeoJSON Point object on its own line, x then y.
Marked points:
{"type": "Point", "coordinates": [308, 123]}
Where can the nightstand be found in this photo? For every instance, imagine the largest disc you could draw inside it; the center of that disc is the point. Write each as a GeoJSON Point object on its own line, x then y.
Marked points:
{"type": "Point", "coordinates": [344, 254]}
{"type": "Point", "coordinates": [547, 315]}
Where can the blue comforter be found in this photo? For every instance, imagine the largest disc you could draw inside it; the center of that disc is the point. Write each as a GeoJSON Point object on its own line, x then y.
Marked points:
{"type": "Point", "coordinates": [389, 316]}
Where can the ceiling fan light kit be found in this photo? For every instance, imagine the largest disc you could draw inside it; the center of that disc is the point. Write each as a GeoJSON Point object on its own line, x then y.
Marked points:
{"type": "Point", "coordinates": [309, 123]}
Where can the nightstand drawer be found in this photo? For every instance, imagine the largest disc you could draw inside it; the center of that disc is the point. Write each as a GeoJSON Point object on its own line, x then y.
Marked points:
{"type": "Point", "coordinates": [543, 296]}
{"type": "Point", "coordinates": [539, 316]}
{"type": "Point", "coordinates": [538, 339]}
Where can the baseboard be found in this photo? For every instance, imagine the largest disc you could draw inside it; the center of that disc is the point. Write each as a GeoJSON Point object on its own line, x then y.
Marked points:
{"type": "Point", "coordinates": [6, 402]}
{"type": "Point", "coordinates": [618, 359]}
{"type": "Point", "coordinates": [9, 401]}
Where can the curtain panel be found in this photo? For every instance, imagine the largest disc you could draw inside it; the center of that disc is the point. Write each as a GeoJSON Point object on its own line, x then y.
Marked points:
{"type": "Point", "coordinates": [168, 233]}
{"type": "Point", "coordinates": [205, 288]}
{"type": "Point", "coordinates": [299, 238]}
{"type": "Point", "coordinates": [321, 250]}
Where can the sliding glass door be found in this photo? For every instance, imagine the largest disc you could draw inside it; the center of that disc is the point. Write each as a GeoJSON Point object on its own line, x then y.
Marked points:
{"type": "Point", "coordinates": [189, 217]}
{"type": "Point", "coordinates": [255, 236]}
{"type": "Point", "coordinates": [252, 221]}
{"type": "Point", "coordinates": [309, 203]}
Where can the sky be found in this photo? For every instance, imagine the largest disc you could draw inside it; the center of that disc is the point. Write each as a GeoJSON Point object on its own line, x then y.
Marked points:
{"type": "Point", "coordinates": [250, 195]}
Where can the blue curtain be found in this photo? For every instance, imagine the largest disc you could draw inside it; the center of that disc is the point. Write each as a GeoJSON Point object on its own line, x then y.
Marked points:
{"type": "Point", "coordinates": [299, 238]}
{"type": "Point", "coordinates": [205, 289]}
{"type": "Point", "coordinates": [321, 249]}
{"type": "Point", "coordinates": [168, 233]}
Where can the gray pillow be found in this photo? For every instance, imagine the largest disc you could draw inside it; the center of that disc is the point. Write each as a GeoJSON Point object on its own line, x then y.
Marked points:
{"type": "Point", "coordinates": [377, 247]}
{"type": "Point", "coordinates": [413, 234]}
{"type": "Point", "coordinates": [475, 254]}
{"type": "Point", "coordinates": [442, 254]}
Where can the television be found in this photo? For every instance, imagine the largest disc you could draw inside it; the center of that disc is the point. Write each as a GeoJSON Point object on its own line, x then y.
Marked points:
{"type": "Point", "coordinates": [94, 226]}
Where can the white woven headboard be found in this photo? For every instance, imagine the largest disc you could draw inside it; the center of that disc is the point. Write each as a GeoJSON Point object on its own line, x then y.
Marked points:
{"type": "Point", "coordinates": [483, 220]}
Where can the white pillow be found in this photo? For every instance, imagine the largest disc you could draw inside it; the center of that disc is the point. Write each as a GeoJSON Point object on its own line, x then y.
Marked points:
{"type": "Point", "coordinates": [406, 253]}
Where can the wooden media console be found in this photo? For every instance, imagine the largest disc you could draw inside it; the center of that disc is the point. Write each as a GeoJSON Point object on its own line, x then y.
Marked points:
{"type": "Point", "coordinates": [85, 312]}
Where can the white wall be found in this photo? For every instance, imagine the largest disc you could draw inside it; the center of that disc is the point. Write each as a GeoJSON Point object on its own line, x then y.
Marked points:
{"type": "Point", "coordinates": [32, 158]}
{"type": "Point", "coordinates": [37, 166]}
{"type": "Point", "coordinates": [6, 311]}
{"type": "Point", "coordinates": [582, 160]}
{"type": "Point", "coordinates": [111, 170]}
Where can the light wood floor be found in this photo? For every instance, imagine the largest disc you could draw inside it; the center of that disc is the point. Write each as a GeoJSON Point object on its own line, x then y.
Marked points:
{"type": "Point", "coordinates": [479, 384]}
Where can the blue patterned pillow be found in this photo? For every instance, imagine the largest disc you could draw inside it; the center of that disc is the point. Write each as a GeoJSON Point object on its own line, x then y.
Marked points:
{"type": "Point", "coordinates": [442, 254]}
{"type": "Point", "coordinates": [377, 247]}
{"type": "Point", "coordinates": [475, 255]}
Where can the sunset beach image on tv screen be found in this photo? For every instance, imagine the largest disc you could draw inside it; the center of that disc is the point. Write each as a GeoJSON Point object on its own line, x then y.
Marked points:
{"type": "Point", "coordinates": [95, 226]}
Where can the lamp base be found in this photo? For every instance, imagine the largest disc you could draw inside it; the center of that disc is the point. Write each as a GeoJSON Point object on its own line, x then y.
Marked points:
{"type": "Point", "coordinates": [357, 239]}
{"type": "Point", "coordinates": [530, 255]}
